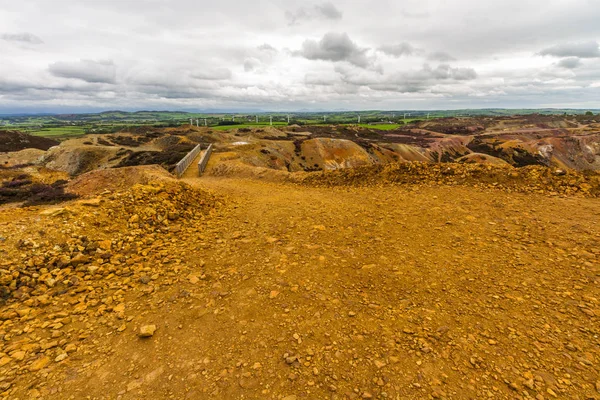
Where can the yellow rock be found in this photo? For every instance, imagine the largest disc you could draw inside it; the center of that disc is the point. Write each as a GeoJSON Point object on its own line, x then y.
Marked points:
{"type": "Point", "coordinates": [39, 364]}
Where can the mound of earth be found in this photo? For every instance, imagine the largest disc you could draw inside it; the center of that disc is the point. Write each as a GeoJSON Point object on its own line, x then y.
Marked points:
{"type": "Point", "coordinates": [324, 153]}
{"type": "Point", "coordinates": [21, 157]}
{"type": "Point", "coordinates": [479, 158]}
{"type": "Point", "coordinates": [15, 141]}
{"type": "Point", "coordinates": [76, 160]}
{"type": "Point", "coordinates": [117, 179]}
{"type": "Point", "coordinates": [532, 179]}
{"type": "Point", "coordinates": [26, 189]}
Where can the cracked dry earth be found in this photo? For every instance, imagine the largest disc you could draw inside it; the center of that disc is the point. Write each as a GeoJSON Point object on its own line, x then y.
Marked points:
{"type": "Point", "coordinates": [292, 292]}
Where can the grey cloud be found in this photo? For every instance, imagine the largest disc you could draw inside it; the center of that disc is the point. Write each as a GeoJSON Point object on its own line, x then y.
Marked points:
{"type": "Point", "coordinates": [570, 63]}
{"type": "Point", "coordinates": [11, 86]}
{"type": "Point", "coordinates": [414, 87]}
{"type": "Point", "coordinates": [440, 73]}
{"type": "Point", "coordinates": [335, 47]}
{"type": "Point", "coordinates": [213, 74]}
{"type": "Point", "coordinates": [399, 50]}
{"type": "Point", "coordinates": [440, 56]}
{"type": "Point", "coordinates": [413, 14]}
{"type": "Point", "coordinates": [86, 70]}
{"type": "Point", "coordinates": [415, 81]}
{"type": "Point", "coordinates": [251, 64]}
{"type": "Point", "coordinates": [319, 80]}
{"type": "Point", "coordinates": [24, 37]}
{"type": "Point", "coordinates": [463, 74]}
{"type": "Point", "coordinates": [329, 11]}
{"type": "Point", "coordinates": [589, 49]}
{"type": "Point", "coordinates": [267, 47]}
{"type": "Point", "coordinates": [320, 11]}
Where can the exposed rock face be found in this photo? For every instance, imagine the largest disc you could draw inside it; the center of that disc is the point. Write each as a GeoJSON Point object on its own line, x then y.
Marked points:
{"type": "Point", "coordinates": [78, 160]}
{"type": "Point", "coordinates": [335, 153]}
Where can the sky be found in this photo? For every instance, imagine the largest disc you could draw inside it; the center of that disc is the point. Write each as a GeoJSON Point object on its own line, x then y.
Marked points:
{"type": "Point", "coordinates": [283, 55]}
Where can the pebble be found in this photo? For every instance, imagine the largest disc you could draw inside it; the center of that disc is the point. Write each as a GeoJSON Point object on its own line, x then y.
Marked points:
{"type": "Point", "coordinates": [39, 364]}
{"type": "Point", "coordinates": [147, 331]}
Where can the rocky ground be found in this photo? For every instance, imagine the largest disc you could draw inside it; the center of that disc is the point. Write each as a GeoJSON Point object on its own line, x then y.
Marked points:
{"type": "Point", "coordinates": [235, 288]}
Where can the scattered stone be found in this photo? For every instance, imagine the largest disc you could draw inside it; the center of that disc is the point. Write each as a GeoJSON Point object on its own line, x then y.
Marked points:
{"type": "Point", "coordinates": [39, 364]}
{"type": "Point", "coordinates": [147, 331]}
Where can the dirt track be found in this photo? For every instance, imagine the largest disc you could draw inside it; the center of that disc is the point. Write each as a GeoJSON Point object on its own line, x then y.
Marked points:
{"type": "Point", "coordinates": [290, 292]}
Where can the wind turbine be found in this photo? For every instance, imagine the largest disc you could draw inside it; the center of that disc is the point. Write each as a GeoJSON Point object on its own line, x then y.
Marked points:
{"type": "Point", "coordinates": [205, 122]}
{"type": "Point", "coordinates": [197, 123]}
{"type": "Point", "coordinates": [257, 119]}
{"type": "Point", "coordinates": [288, 119]}
{"type": "Point", "coordinates": [271, 120]}
{"type": "Point", "coordinates": [324, 118]}
{"type": "Point", "coordinates": [359, 119]}
{"type": "Point", "coordinates": [191, 122]}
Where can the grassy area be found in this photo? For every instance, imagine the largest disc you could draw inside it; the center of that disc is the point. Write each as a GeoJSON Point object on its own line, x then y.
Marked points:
{"type": "Point", "coordinates": [254, 125]}
{"type": "Point", "coordinates": [58, 132]}
{"type": "Point", "coordinates": [381, 127]}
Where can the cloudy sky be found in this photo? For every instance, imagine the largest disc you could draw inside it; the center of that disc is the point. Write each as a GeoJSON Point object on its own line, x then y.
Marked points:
{"type": "Point", "coordinates": [80, 55]}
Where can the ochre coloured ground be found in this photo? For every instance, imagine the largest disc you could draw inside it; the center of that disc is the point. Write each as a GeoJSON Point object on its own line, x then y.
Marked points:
{"type": "Point", "coordinates": [265, 290]}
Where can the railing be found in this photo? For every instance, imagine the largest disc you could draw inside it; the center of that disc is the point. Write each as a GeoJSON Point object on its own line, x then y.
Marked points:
{"type": "Point", "coordinates": [204, 160]}
{"type": "Point", "coordinates": [186, 161]}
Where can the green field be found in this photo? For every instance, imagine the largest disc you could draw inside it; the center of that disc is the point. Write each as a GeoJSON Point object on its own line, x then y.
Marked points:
{"type": "Point", "coordinates": [253, 125]}
{"type": "Point", "coordinates": [59, 132]}
{"type": "Point", "coordinates": [381, 127]}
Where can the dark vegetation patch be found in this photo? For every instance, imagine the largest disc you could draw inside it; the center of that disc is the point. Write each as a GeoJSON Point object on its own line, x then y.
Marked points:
{"type": "Point", "coordinates": [14, 167]}
{"type": "Point", "coordinates": [143, 131]}
{"type": "Point", "coordinates": [104, 142]}
{"type": "Point", "coordinates": [451, 155]}
{"type": "Point", "coordinates": [516, 156]}
{"type": "Point", "coordinates": [22, 188]}
{"type": "Point", "coordinates": [489, 146]}
{"type": "Point", "coordinates": [361, 136]}
{"type": "Point", "coordinates": [298, 146]}
{"type": "Point", "coordinates": [455, 129]}
{"type": "Point", "coordinates": [15, 141]}
{"type": "Point", "coordinates": [167, 158]}
{"type": "Point", "coordinates": [279, 138]}
{"type": "Point", "coordinates": [131, 141]}
{"type": "Point", "coordinates": [168, 141]}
